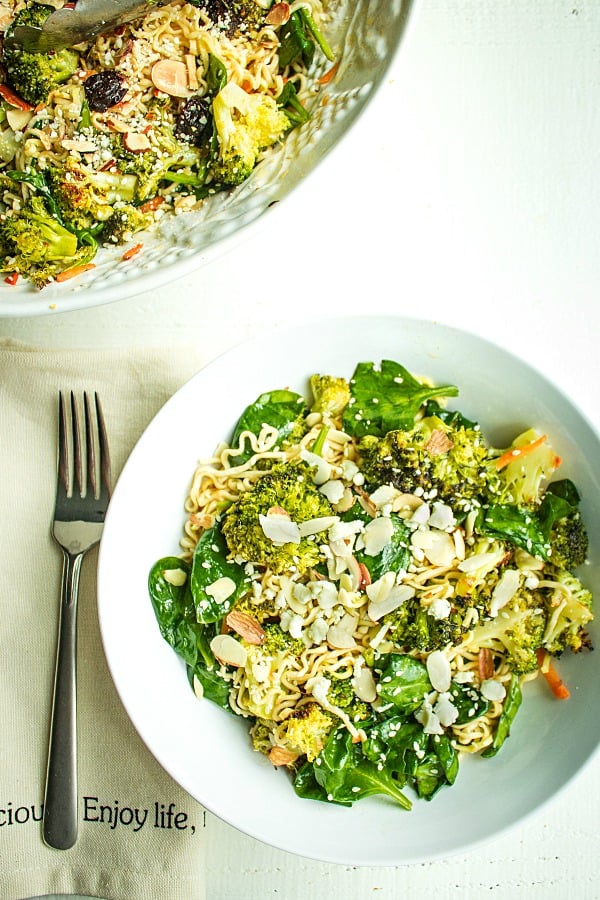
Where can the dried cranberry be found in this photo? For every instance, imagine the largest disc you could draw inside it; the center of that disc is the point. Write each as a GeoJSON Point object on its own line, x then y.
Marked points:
{"type": "Point", "coordinates": [194, 121]}
{"type": "Point", "coordinates": [105, 89]}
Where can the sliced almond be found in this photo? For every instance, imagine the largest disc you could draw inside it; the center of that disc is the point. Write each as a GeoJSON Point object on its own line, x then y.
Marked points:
{"type": "Point", "coordinates": [438, 443]}
{"type": "Point", "coordinates": [80, 146]}
{"type": "Point", "coordinates": [18, 119]}
{"type": "Point", "coordinates": [136, 142]}
{"type": "Point", "coordinates": [229, 651]}
{"type": "Point", "coordinates": [117, 125]}
{"type": "Point", "coordinates": [176, 577]}
{"type": "Point", "coordinates": [171, 77]}
{"type": "Point", "coordinates": [278, 15]}
{"type": "Point", "coordinates": [246, 626]}
{"type": "Point", "coordinates": [281, 756]}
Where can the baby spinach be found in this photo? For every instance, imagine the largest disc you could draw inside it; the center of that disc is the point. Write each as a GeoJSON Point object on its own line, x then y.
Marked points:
{"type": "Point", "coordinates": [387, 398]}
{"type": "Point", "coordinates": [515, 524]}
{"type": "Point", "coordinates": [403, 681]}
{"type": "Point", "coordinates": [512, 702]}
{"type": "Point", "coordinates": [176, 616]}
{"type": "Point", "coordinates": [345, 775]}
{"type": "Point", "coordinates": [283, 410]}
{"type": "Point", "coordinates": [439, 766]}
{"type": "Point", "coordinates": [209, 564]}
{"type": "Point", "coordinates": [394, 557]}
{"type": "Point", "coordinates": [468, 701]}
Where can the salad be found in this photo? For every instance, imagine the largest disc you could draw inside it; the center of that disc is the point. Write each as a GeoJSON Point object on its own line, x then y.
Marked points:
{"type": "Point", "coordinates": [371, 584]}
{"type": "Point", "coordinates": [101, 140]}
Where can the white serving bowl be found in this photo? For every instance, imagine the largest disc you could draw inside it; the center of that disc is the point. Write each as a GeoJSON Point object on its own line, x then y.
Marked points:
{"type": "Point", "coordinates": [369, 32]}
{"type": "Point", "coordinates": [205, 749]}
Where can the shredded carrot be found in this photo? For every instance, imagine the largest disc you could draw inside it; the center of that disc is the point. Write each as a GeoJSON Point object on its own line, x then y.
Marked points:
{"type": "Point", "coordinates": [133, 251]}
{"type": "Point", "coordinates": [74, 272]}
{"type": "Point", "coordinates": [555, 682]}
{"type": "Point", "coordinates": [327, 76]}
{"type": "Point", "coordinates": [12, 278]}
{"type": "Point", "coordinates": [151, 205]}
{"type": "Point", "coordinates": [13, 99]}
{"type": "Point", "coordinates": [519, 452]}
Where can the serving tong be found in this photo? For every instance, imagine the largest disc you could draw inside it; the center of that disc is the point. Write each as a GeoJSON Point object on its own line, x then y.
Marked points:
{"type": "Point", "coordinates": [78, 22]}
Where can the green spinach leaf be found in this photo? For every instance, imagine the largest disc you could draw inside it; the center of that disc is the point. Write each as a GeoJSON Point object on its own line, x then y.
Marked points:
{"type": "Point", "coordinates": [394, 557]}
{"type": "Point", "coordinates": [403, 681]}
{"type": "Point", "coordinates": [386, 398]}
{"type": "Point", "coordinates": [283, 410]}
{"type": "Point", "coordinates": [468, 701]}
{"type": "Point", "coordinates": [209, 565]}
{"type": "Point", "coordinates": [512, 702]}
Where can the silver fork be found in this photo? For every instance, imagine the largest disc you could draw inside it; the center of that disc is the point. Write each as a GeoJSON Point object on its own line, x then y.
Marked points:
{"type": "Point", "coordinates": [82, 495]}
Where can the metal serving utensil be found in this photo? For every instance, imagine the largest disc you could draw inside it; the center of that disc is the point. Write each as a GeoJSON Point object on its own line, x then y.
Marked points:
{"type": "Point", "coordinates": [71, 25]}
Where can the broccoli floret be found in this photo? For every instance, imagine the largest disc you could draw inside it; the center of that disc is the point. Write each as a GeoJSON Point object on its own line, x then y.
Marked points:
{"type": "Point", "coordinates": [165, 160]}
{"type": "Point", "coordinates": [277, 641]}
{"type": "Point", "coordinates": [123, 223]}
{"type": "Point", "coordinates": [289, 487]}
{"type": "Point", "coordinates": [245, 125]}
{"type": "Point", "coordinates": [34, 75]}
{"type": "Point", "coordinates": [434, 459]}
{"type": "Point", "coordinates": [85, 197]}
{"type": "Point", "coordinates": [341, 694]}
{"type": "Point", "coordinates": [517, 632]}
{"type": "Point", "coordinates": [569, 611]}
{"type": "Point", "coordinates": [523, 468]}
{"type": "Point", "coordinates": [569, 542]}
{"type": "Point", "coordinates": [37, 245]}
{"type": "Point", "coordinates": [306, 730]}
{"type": "Point", "coordinates": [330, 394]}
{"type": "Point", "coordinates": [413, 628]}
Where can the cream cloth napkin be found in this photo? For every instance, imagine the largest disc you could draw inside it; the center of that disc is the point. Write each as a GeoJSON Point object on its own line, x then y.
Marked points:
{"type": "Point", "coordinates": [120, 783]}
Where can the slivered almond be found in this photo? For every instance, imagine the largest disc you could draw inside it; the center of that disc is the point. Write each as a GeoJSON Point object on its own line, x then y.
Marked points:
{"type": "Point", "coordinates": [281, 756]}
{"type": "Point", "coordinates": [438, 443]}
{"type": "Point", "coordinates": [246, 626]}
{"type": "Point", "coordinates": [485, 663]}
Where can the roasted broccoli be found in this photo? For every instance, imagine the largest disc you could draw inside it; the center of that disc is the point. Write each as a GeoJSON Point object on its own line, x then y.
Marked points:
{"type": "Point", "coordinates": [330, 394]}
{"type": "Point", "coordinates": [85, 197]}
{"type": "Point", "coordinates": [569, 612]}
{"type": "Point", "coordinates": [124, 221]}
{"type": "Point", "coordinates": [34, 75]}
{"type": "Point", "coordinates": [163, 159]}
{"type": "Point", "coordinates": [36, 245]}
{"type": "Point", "coordinates": [306, 730]}
{"type": "Point", "coordinates": [341, 693]}
{"type": "Point", "coordinates": [277, 640]}
{"type": "Point", "coordinates": [245, 125]}
{"type": "Point", "coordinates": [569, 542]}
{"type": "Point", "coordinates": [413, 628]}
{"type": "Point", "coordinates": [516, 632]}
{"type": "Point", "coordinates": [434, 459]}
{"type": "Point", "coordinates": [286, 487]}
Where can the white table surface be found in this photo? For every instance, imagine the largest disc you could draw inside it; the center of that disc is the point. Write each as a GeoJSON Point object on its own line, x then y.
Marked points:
{"type": "Point", "coordinates": [470, 194]}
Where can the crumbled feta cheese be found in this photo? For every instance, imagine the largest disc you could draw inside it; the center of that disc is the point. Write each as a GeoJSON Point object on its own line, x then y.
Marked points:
{"type": "Point", "coordinates": [440, 609]}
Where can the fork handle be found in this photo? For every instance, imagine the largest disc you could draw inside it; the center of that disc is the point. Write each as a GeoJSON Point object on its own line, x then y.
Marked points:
{"type": "Point", "coordinates": [60, 803]}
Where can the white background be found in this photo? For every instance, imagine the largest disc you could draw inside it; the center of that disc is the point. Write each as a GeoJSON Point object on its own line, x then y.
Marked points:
{"type": "Point", "coordinates": [469, 193]}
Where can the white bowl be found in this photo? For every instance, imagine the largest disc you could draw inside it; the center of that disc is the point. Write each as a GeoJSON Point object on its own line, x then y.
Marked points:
{"type": "Point", "coordinates": [369, 33]}
{"type": "Point", "coordinates": [205, 749]}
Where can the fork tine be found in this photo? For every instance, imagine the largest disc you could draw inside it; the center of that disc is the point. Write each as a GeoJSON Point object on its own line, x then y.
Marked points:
{"type": "Point", "coordinates": [91, 446]}
{"type": "Point", "coordinates": [76, 430]}
{"type": "Point", "coordinates": [103, 444]}
{"type": "Point", "coordinates": [63, 447]}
